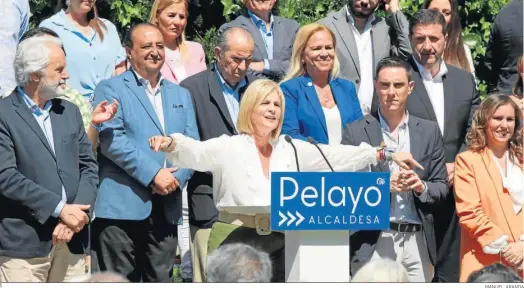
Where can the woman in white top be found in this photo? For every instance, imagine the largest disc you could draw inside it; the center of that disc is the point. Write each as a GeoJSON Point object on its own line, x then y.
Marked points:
{"type": "Point", "coordinates": [456, 53]}
{"type": "Point", "coordinates": [242, 164]}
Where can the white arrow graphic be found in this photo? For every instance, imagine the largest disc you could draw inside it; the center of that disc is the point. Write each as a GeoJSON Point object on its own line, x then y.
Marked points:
{"type": "Point", "coordinates": [300, 218]}
{"type": "Point", "coordinates": [291, 218]}
{"type": "Point", "coordinates": [283, 218]}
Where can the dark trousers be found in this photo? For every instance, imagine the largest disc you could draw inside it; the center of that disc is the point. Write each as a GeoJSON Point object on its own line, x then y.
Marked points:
{"type": "Point", "coordinates": [447, 233]}
{"type": "Point", "coordinates": [143, 251]}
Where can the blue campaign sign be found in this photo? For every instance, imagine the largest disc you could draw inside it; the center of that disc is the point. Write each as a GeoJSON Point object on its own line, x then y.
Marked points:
{"type": "Point", "coordinates": [329, 201]}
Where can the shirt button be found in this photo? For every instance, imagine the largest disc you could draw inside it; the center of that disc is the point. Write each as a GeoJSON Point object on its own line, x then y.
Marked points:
{"type": "Point", "coordinates": [357, 81]}
{"type": "Point", "coordinates": [94, 58]}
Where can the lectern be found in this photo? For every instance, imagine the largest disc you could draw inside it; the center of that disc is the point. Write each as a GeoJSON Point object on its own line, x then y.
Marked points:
{"type": "Point", "coordinates": [317, 210]}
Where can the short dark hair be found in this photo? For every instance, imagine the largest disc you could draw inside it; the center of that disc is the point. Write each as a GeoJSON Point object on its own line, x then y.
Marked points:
{"type": "Point", "coordinates": [494, 273]}
{"type": "Point", "coordinates": [393, 62]}
{"type": "Point", "coordinates": [128, 39]}
{"type": "Point", "coordinates": [427, 17]}
{"type": "Point", "coordinates": [38, 31]}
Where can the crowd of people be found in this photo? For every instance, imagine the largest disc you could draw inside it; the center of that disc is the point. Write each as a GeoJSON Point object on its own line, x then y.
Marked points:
{"type": "Point", "coordinates": [114, 155]}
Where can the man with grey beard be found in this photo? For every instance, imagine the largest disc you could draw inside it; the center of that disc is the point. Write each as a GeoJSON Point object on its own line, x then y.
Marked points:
{"type": "Point", "coordinates": [48, 176]}
{"type": "Point", "coordinates": [363, 39]}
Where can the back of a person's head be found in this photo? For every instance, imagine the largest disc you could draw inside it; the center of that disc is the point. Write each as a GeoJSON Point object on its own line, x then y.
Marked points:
{"type": "Point", "coordinates": [494, 273]}
{"type": "Point", "coordinates": [106, 277]}
{"type": "Point", "coordinates": [238, 263]}
{"type": "Point", "coordinates": [383, 270]}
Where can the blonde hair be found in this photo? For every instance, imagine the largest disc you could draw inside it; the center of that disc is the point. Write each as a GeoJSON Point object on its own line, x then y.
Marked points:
{"type": "Point", "coordinates": [382, 270]}
{"type": "Point", "coordinates": [296, 68]}
{"type": "Point", "coordinates": [161, 5]}
{"type": "Point", "coordinates": [254, 95]}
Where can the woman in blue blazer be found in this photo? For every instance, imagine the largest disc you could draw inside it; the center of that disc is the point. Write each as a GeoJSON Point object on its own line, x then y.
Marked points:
{"type": "Point", "coordinates": [318, 103]}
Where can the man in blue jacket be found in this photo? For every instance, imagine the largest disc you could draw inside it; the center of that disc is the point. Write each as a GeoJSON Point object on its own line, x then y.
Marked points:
{"type": "Point", "coordinates": [139, 199]}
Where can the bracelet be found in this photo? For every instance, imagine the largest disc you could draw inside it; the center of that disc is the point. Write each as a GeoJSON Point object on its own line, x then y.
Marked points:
{"type": "Point", "coordinates": [170, 143]}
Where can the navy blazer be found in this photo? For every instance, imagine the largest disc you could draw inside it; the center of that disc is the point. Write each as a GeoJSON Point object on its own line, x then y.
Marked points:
{"type": "Point", "coordinates": [32, 176]}
{"type": "Point", "coordinates": [303, 116]}
{"type": "Point", "coordinates": [127, 163]}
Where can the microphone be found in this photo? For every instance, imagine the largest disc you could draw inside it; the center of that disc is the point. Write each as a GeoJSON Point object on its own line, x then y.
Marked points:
{"type": "Point", "coordinates": [312, 141]}
{"type": "Point", "coordinates": [288, 140]}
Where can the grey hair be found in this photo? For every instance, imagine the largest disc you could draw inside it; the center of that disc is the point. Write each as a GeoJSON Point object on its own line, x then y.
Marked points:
{"type": "Point", "coordinates": [32, 56]}
{"type": "Point", "coordinates": [382, 270]}
{"type": "Point", "coordinates": [224, 37]}
{"type": "Point", "coordinates": [238, 262]}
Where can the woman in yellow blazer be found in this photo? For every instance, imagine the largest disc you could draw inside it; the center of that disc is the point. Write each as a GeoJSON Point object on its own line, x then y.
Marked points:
{"type": "Point", "coordinates": [489, 190]}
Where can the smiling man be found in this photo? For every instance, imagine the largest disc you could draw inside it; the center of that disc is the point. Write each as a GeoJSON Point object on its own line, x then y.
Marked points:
{"type": "Point", "coordinates": [139, 202]}
{"type": "Point", "coordinates": [410, 239]}
{"type": "Point", "coordinates": [448, 96]}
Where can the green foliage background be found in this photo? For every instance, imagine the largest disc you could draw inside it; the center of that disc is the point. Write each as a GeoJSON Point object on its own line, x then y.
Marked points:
{"type": "Point", "coordinates": [207, 15]}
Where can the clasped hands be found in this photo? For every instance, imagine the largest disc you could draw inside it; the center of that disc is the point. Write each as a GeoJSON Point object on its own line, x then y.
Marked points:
{"type": "Point", "coordinates": [513, 253]}
{"type": "Point", "coordinates": [73, 218]}
{"type": "Point", "coordinates": [406, 180]}
{"type": "Point", "coordinates": [164, 182]}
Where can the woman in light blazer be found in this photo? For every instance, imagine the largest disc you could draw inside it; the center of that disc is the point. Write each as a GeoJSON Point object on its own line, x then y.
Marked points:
{"type": "Point", "coordinates": [318, 103]}
{"type": "Point", "coordinates": [489, 188]}
{"type": "Point", "coordinates": [183, 58]}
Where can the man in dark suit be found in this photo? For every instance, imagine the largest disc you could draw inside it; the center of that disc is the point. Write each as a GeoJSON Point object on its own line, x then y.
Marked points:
{"type": "Point", "coordinates": [48, 174]}
{"type": "Point", "coordinates": [273, 36]}
{"type": "Point", "coordinates": [447, 95]}
{"type": "Point", "coordinates": [505, 47]}
{"type": "Point", "coordinates": [410, 239]}
{"type": "Point", "coordinates": [216, 95]}
{"type": "Point", "coordinates": [364, 38]}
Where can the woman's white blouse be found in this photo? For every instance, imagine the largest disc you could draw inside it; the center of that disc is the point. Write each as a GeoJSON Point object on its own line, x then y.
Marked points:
{"type": "Point", "coordinates": [238, 178]}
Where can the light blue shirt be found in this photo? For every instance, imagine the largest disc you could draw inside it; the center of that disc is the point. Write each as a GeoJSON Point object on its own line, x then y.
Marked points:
{"type": "Point", "coordinates": [231, 95]}
{"type": "Point", "coordinates": [402, 206]}
{"type": "Point", "coordinates": [89, 60]}
{"type": "Point", "coordinates": [14, 21]}
{"type": "Point", "coordinates": [44, 121]}
{"type": "Point", "coordinates": [267, 36]}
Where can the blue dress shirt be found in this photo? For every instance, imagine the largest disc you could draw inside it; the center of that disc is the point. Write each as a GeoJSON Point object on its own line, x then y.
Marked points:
{"type": "Point", "coordinates": [267, 36]}
{"type": "Point", "coordinates": [14, 21]}
{"type": "Point", "coordinates": [231, 95]}
{"type": "Point", "coordinates": [89, 60]}
{"type": "Point", "coordinates": [44, 121]}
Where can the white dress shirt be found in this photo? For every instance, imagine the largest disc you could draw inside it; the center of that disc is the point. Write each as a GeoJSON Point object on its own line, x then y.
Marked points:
{"type": "Point", "coordinates": [239, 184]}
{"type": "Point", "coordinates": [333, 124]}
{"type": "Point", "coordinates": [435, 88]}
{"type": "Point", "coordinates": [154, 94]}
{"type": "Point", "coordinates": [365, 58]}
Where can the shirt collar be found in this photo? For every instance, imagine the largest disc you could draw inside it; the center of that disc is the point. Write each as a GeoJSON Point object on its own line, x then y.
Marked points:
{"type": "Point", "coordinates": [384, 124]}
{"type": "Point", "coordinates": [32, 105]}
{"type": "Point", "coordinates": [146, 82]}
{"type": "Point", "coordinates": [223, 84]}
{"type": "Point", "coordinates": [352, 20]}
{"type": "Point", "coordinates": [261, 24]}
{"type": "Point", "coordinates": [426, 75]}
{"type": "Point", "coordinates": [62, 20]}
